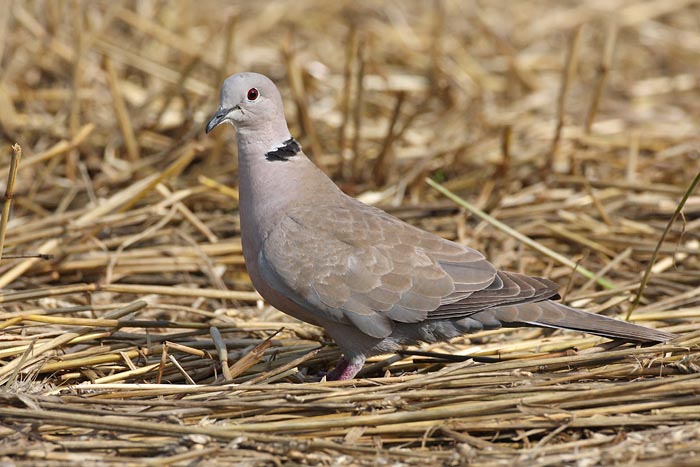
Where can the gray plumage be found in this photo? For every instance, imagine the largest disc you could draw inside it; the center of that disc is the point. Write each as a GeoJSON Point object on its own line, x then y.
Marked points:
{"type": "Point", "coordinates": [372, 281]}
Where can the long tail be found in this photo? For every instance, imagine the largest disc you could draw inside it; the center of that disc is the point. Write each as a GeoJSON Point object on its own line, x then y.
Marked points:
{"type": "Point", "coordinates": [555, 315]}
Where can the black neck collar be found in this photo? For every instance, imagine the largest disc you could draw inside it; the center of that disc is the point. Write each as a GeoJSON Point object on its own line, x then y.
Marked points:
{"type": "Point", "coordinates": [286, 151]}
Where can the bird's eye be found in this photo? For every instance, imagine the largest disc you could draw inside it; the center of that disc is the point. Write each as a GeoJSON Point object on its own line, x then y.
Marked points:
{"type": "Point", "coordinates": [253, 94]}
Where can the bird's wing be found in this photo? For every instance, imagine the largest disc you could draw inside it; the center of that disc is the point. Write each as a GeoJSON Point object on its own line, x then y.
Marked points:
{"type": "Point", "coordinates": [357, 264]}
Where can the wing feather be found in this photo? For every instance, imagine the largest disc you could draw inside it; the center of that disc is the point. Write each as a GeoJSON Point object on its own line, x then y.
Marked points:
{"type": "Point", "coordinates": [356, 264]}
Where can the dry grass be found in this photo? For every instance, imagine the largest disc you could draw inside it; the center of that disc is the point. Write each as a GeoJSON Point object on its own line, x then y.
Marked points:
{"type": "Point", "coordinates": [131, 334]}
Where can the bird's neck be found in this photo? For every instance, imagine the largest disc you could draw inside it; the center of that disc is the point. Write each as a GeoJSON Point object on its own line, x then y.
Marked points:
{"type": "Point", "coordinates": [265, 137]}
{"type": "Point", "coordinates": [273, 176]}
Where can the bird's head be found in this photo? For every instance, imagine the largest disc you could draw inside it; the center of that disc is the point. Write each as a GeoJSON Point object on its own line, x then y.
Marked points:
{"type": "Point", "coordinates": [250, 102]}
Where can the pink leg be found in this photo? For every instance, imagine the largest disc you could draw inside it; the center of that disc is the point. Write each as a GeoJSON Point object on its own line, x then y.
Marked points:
{"type": "Point", "coordinates": [345, 369]}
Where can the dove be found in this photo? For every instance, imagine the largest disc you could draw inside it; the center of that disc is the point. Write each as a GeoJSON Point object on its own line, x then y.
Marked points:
{"type": "Point", "coordinates": [372, 281]}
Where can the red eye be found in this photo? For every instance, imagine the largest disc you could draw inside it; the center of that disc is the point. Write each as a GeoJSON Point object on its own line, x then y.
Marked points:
{"type": "Point", "coordinates": [253, 94]}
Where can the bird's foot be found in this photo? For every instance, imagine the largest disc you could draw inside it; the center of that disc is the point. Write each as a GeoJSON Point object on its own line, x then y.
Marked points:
{"type": "Point", "coordinates": [345, 369]}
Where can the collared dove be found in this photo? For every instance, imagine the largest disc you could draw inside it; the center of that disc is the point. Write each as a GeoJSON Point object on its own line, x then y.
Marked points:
{"type": "Point", "coordinates": [372, 281]}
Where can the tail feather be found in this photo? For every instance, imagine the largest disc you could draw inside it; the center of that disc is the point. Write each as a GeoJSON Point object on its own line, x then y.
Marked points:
{"type": "Point", "coordinates": [555, 315]}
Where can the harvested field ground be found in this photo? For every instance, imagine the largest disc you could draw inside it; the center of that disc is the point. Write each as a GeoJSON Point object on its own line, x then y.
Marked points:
{"type": "Point", "coordinates": [131, 334]}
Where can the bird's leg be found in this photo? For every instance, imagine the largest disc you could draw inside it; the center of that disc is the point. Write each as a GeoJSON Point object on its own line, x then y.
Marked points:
{"type": "Point", "coordinates": [346, 369]}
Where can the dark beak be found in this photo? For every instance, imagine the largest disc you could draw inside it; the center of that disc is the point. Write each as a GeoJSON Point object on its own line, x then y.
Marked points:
{"type": "Point", "coordinates": [218, 118]}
